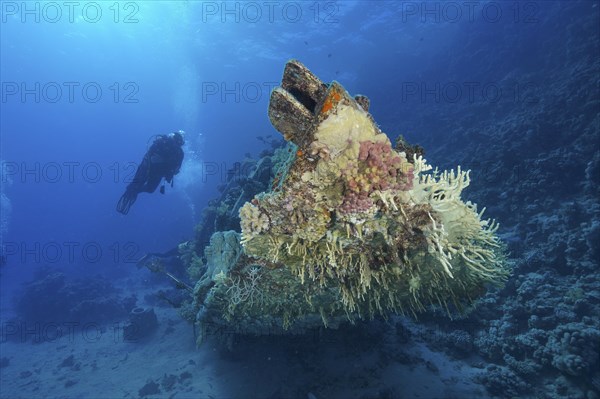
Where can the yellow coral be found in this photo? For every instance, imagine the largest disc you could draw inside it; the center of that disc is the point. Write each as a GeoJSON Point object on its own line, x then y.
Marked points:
{"type": "Point", "coordinates": [253, 221]}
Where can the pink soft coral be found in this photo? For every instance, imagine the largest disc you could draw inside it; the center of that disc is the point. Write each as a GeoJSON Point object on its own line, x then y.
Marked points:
{"type": "Point", "coordinates": [378, 168]}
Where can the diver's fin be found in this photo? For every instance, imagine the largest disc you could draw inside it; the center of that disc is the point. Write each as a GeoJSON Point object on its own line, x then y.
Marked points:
{"type": "Point", "coordinates": [125, 202]}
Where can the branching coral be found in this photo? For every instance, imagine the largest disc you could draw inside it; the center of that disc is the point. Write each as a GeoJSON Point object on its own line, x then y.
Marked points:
{"type": "Point", "coordinates": [461, 232]}
{"type": "Point", "coordinates": [253, 221]}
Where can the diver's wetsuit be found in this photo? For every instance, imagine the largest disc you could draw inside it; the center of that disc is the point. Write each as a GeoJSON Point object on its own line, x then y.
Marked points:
{"type": "Point", "coordinates": [163, 159]}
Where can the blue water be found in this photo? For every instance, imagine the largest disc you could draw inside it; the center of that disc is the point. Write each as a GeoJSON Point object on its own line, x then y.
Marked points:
{"type": "Point", "coordinates": [82, 100]}
{"type": "Point", "coordinates": [86, 88]}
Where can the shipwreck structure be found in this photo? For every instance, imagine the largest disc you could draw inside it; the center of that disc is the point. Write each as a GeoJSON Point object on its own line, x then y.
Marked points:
{"type": "Point", "coordinates": [350, 227]}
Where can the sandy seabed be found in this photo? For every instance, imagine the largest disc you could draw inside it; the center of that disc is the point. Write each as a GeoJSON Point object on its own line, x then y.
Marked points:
{"type": "Point", "coordinates": [97, 363]}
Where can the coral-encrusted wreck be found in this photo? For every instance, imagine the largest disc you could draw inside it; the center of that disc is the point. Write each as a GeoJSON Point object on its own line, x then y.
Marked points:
{"type": "Point", "coordinates": [351, 228]}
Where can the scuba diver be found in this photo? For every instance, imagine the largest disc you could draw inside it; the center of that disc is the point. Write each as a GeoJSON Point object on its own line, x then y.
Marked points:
{"type": "Point", "coordinates": [163, 159]}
